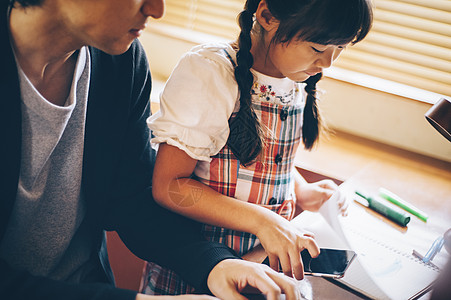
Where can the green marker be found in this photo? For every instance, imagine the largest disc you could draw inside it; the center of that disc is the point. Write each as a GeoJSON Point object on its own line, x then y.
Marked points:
{"type": "Point", "coordinates": [384, 193]}
{"type": "Point", "coordinates": [386, 209]}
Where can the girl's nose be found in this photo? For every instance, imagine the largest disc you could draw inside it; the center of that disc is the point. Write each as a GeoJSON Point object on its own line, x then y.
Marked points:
{"type": "Point", "coordinates": [326, 59]}
{"type": "Point", "coordinates": [153, 8]}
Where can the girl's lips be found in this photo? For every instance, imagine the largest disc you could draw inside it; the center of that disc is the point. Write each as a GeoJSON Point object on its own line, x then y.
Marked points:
{"type": "Point", "coordinates": [312, 73]}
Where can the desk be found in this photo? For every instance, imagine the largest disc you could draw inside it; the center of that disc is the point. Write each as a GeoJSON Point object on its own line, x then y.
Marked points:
{"type": "Point", "coordinates": [366, 165]}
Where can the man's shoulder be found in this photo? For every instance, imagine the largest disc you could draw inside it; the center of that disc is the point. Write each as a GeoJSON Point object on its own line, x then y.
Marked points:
{"type": "Point", "coordinates": [123, 76]}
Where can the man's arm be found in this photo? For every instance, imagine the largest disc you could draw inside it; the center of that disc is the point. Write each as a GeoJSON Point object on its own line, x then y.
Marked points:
{"type": "Point", "coordinates": [18, 285]}
{"type": "Point", "coordinates": [148, 230]}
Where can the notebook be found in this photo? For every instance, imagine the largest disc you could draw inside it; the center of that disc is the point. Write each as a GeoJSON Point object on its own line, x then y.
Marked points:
{"type": "Point", "coordinates": [385, 267]}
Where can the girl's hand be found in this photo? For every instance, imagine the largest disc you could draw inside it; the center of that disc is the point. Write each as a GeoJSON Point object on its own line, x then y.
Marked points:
{"type": "Point", "coordinates": [311, 196]}
{"type": "Point", "coordinates": [283, 243]}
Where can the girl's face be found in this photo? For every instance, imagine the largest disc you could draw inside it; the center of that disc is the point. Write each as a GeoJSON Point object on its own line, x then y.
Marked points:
{"type": "Point", "coordinates": [110, 25]}
{"type": "Point", "coordinates": [298, 60]}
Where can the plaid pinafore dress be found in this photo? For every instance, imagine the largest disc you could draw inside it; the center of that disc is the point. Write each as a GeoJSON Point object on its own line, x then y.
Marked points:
{"type": "Point", "coordinates": [268, 182]}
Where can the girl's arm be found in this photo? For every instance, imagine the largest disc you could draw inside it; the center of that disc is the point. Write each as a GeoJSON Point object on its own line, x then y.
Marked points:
{"type": "Point", "coordinates": [173, 189]}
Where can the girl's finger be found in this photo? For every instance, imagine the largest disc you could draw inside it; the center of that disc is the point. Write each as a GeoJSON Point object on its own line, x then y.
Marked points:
{"type": "Point", "coordinates": [327, 194]}
{"type": "Point", "coordinates": [273, 262]}
{"type": "Point", "coordinates": [286, 265]}
{"type": "Point", "coordinates": [328, 184]}
{"type": "Point", "coordinates": [309, 234]}
{"type": "Point", "coordinates": [344, 206]}
{"type": "Point", "coordinates": [311, 246]}
{"type": "Point", "coordinates": [296, 265]}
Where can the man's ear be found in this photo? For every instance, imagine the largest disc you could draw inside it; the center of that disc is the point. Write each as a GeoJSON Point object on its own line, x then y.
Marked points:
{"type": "Point", "coordinates": [265, 18]}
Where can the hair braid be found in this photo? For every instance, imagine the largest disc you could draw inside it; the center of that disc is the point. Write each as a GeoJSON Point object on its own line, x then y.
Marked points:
{"type": "Point", "coordinates": [246, 136]}
{"type": "Point", "coordinates": [312, 119]}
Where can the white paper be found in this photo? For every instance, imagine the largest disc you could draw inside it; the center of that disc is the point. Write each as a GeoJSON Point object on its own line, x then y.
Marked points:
{"type": "Point", "coordinates": [382, 270]}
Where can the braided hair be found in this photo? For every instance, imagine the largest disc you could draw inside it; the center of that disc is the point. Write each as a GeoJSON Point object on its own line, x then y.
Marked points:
{"type": "Point", "coordinates": [312, 120]}
{"type": "Point", "coordinates": [326, 22]}
{"type": "Point", "coordinates": [246, 136]}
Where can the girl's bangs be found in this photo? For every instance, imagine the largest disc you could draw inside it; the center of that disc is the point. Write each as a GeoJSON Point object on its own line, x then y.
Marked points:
{"type": "Point", "coordinates": [332, 24]}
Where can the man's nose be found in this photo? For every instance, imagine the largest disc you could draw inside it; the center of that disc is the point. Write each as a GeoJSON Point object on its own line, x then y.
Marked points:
{"type": "Point", "coordinates": [153, 8]}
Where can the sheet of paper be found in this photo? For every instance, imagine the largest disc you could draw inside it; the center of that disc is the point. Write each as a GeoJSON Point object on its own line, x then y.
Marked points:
{"type": "Point", "coordinates": [329, 234]}
{"type": "Point", "coordinates": [385, 268]}
{"type": "Point", "coordinates": [385, 256]}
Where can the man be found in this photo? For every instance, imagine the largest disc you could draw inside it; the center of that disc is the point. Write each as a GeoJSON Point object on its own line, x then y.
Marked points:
{"type": "Point", "coordinates": [76, 161]}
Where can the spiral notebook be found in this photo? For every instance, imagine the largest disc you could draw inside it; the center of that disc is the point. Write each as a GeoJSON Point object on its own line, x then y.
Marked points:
{"type": "Point", "coordinates": [385, 268]}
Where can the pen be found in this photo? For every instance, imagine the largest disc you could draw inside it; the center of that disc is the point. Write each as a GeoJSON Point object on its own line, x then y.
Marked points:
{"type": "Point", "coordinates": [435, 248]}
{"type": "Point", "coordinates": [386, 209]}
{"type": "Point", "coordinates": [386, 194]}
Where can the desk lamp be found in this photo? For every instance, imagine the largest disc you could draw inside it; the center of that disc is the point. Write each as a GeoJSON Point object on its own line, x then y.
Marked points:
{"type": "Point", "coordinates": [439, 116]}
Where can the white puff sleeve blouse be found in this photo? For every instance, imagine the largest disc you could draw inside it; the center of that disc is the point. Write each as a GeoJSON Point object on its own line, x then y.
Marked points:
{"type": "Point", "coordinates": [197, 102]}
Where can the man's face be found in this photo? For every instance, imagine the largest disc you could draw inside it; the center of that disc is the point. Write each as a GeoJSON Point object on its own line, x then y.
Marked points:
{"type": "Point", "coordinates": [109, 25]}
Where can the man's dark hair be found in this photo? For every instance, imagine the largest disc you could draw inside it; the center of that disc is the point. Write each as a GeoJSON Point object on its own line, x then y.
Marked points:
{"type": "Point", "coordinates": [25, 3]}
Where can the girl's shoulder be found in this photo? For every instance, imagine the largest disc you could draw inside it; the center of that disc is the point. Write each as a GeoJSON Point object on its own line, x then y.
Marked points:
{"type": "Point", "coordinates": [217, 53]}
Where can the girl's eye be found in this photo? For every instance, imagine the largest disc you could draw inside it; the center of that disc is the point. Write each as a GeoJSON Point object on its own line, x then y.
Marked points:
{"type": "Point", "coordinates": [316, 50]}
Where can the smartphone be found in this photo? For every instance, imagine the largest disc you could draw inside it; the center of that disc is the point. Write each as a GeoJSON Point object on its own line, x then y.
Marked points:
{"type": "Point", "coordinates": [331, 263]}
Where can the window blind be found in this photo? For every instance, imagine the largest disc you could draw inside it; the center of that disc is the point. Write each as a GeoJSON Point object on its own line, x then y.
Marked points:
{"type": "Point", "coordinates": [216, 17]}
{"type": "Point", "coordinates": [410, 42]}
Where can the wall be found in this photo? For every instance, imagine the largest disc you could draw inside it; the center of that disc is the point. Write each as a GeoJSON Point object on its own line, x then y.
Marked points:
{"type": "Point", "coordinates": [383, 117]}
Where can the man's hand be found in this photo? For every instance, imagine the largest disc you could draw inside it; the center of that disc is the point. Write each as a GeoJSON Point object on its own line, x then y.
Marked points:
{"type": "Point", "coordinates": [181, 297]}
{"type": "Point", "coordinates": [231, 276]}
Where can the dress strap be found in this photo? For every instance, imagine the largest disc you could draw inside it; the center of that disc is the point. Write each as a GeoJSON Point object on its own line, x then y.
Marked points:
{"type": "Point", "coordinates": [285, 209]}
{"type": "Point", "coordinates": [229, 57]}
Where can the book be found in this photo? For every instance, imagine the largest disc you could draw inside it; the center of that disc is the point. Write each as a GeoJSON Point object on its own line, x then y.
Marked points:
{"type": "Point", "coordinates": [385, 267]}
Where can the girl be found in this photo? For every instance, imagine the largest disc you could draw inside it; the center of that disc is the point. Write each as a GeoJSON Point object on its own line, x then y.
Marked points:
{"type": "Point", "coordinates": [231, 119]}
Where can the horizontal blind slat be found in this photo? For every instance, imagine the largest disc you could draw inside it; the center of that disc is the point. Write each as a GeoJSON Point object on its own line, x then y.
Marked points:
{"type": "Point", "coordinates": [413, 22]}
{"type": "Point", "coordinates": [415, 10]}
{"type": "Point", "coordinates": [206, 16]}
{"type": "Point", "coordinates": [436, 4]}
{"type": "Point", "coordinates": [413, 34]}
{"type": "Point", "coordinates": [399, 66]}
{"type": "Point", "coordinates": [226, 5]}
{"type": "Point", "coordinates": [408, 45]}
{"type": "Point", "coordinates": [394, 75]}
{"type": "Point", "coordinates": [222, 17]}
{"type": "Point", "coordinates": [401, 55]}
